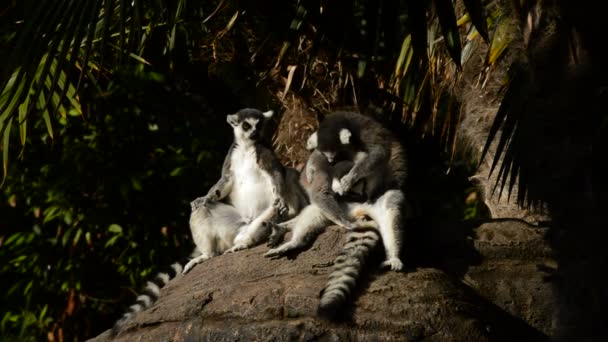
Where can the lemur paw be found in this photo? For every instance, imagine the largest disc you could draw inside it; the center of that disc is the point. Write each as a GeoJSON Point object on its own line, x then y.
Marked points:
{"type": "Point", "coordinates": [276, 236]}
{"type": "Point", "coordinates": [272, 253]}
{"type": "Point", "coordinates": [190, 265]}
{"type": "Point", "coordinates": [201, 202]}
{"type": "Point", "coordinates": [280, 206]}
{"type": "Point", "coordinates": [280, 251]}
{"type": "Point", "coordinates": [394, 263]}
{"type": "Point", "coordinates": [337, 187]}
{"type": "Point", "coordinates": [346, 183]}
{"type": "Point", "coordinates": [236, 248]}
{"type": "Point", "coordinates": [342, 186]}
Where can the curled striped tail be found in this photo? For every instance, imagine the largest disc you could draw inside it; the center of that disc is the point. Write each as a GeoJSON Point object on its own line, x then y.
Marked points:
{"type": "Point", "coordinates": [348, 267]}
{"type": "Point", "coordinates": [150, 293]}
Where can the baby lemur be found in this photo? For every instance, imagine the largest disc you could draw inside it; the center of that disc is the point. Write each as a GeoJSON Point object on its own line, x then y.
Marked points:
{"type": "Point", "coordinates": [254, 187]}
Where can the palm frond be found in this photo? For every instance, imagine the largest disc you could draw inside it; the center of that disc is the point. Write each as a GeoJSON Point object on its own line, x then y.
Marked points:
{"type": "Point", "coordinates": [447, 20]}
{"type": "Point", "coordinates": [475, 11]}
{"type": "Point", "coordinates": [60, 43]}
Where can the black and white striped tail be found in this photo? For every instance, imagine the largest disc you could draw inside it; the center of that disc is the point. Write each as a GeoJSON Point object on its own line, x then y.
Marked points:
{"type": "Point", "coordinates": [150, 293]}
{"type": "Point", "coordinates": [348, 267]}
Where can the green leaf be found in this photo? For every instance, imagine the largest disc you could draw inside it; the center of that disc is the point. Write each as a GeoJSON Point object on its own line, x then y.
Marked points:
{"type": "Point", "coordinates": [28, 287]}
{"type": "Point", "coordinates": [12, 238]}
{"type": "Point", "coordinates": [23, 120]}
{"type": "Point", "coordinates": [176, 172]}
{"type": "Point", "coordinates": [405, 57]}
{"type": "Point", "coordinates": [50, 213]}
{"type": "Point", "coordinates": [45, 115]}
{"type": "Point", "coordinates": [112, 240]}
{"type": "Point", "coordinates": [67, 218]}
{"type": "Point", "coordinates": [500, 41]}
{"type": "Point", "coordinates": [43, 312]}
{"type": "Point", "coordinates": [5, 142]}
{"type": "Point", "coordinates": [114, 228]}
{"type": "Point", "coordinates": [449, 28]}
{"type": "Point", "coordinates": [66, 237]}
{"type": "Point", "coordinates": [139, 59]}
{"type": "Point", "coordinates": [77, 237]}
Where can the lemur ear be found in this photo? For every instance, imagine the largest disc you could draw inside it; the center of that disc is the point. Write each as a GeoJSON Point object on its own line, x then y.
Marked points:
{"type": "Point", "coordinates": [232, 119]}
{"type": "Point", "coordinates": [345, 136]}
{"type": "Point", "coordinates": [311, 143]}
{"type": "Point", "coordinates": [268, 114]}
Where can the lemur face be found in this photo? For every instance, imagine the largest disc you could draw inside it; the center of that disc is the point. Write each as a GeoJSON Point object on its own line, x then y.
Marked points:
{"type": "Point", "coordinates": [247, 124]}
{"type": "Point", "coordinates": [334, 147]}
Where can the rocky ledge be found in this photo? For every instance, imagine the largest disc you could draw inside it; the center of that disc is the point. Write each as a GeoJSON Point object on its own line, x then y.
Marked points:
{"type": "Point", "coordinates": [481, 283]}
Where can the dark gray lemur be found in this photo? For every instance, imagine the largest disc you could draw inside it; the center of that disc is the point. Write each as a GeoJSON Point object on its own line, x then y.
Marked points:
{"type": "Point", "coordinates": [371, 146]}
{"type": "Point", "coordinates": [380, 160]}
{"type": "Point", "coordinates": [254, 187]}
{"type": "Point", "coordinates": [351, 210]}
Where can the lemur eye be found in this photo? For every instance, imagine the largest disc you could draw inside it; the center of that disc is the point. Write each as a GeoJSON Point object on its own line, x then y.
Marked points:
{"type": "Point", "coordinates": [246, 126]}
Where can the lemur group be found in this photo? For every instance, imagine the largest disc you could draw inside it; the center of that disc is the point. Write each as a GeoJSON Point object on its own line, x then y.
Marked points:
{"type": "Point", "coordinates": [353, 178]}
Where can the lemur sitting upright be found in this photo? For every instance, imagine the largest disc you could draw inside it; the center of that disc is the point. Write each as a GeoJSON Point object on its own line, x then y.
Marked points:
{"type": "Point", "coordinates": [254, 187]}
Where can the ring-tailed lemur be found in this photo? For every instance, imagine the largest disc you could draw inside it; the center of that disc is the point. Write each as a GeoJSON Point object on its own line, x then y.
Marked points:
{"type": "Point", "coordinates": [254, 188]}
{"type": "Point", "coordinates": [362, 237]}
{"type": "Point", "coordinates": [380, 159]}
{"type": "Point", "coordinates": [379, 163]}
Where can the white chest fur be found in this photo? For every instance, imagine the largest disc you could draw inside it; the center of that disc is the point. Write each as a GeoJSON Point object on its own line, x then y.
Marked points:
{"type": "Point", "coordinates": [252, 190]}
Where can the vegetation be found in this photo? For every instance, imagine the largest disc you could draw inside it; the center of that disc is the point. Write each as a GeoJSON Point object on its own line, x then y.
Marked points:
{"type": "Point", "coordinates": [112, 119]}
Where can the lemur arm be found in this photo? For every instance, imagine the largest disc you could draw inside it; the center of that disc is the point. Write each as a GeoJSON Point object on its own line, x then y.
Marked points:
{"type": "Point", "coordinates": [365, 164]}
{"type": "Point", "coordinates": [319, 183]}
{"type": "Point", "coordinates": [275, 171]}
{"type": "Point", "coordinates": [222, 187]}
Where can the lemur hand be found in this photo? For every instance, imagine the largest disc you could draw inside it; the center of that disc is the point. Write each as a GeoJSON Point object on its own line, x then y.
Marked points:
{"type": "Point", "coordinates": [203, 201]}
{"type": "Point", "coordinates": [345, 184]}
{"type": "Point", "coordinates": [280, 205]}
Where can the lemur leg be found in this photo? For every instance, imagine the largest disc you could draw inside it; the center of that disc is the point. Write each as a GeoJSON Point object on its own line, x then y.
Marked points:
{"type": "Point", "coordinates": [214, 228]}
{"type": "Point", "coordinates": [190, 265]}
{"type": "Point", "coordinates": [255, 231]}
{"type": "Point", "coordinates": [310, 222]}
{"type": "Point", "coordinates": [277, 234]}
{"type": "Point", "coordinates": [387, 212]}
{"type": "Point", "coordinates": [279, 230]}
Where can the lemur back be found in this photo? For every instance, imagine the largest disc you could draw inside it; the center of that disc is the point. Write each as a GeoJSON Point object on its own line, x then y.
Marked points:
{"type": "Point", "coordinates": [363, 140]}
{"type": "Point", "coordinates": [254, 187]}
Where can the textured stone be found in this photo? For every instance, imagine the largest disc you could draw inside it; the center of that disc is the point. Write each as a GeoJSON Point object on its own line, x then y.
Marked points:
{"type": "Point", "coordinates": [246, 297]}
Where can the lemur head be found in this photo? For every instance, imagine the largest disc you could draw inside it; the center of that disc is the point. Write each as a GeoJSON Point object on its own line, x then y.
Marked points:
{"type": "Point", "coordinates": [336, 140]}
{"type": "Point", "coordinates": [248, 124]}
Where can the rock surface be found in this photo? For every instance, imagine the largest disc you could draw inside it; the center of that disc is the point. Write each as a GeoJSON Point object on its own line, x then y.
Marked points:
{"type": "Point", "coordinates": [498, 294]}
